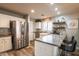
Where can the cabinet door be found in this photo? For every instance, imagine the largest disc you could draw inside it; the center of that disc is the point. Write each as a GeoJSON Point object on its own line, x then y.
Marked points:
{"type": "Point", "coordinates": [4, 21]}
{"type": "Point", "coordinates": [7, 43]}
{"type": "Point", "coordinates": [1, 45]}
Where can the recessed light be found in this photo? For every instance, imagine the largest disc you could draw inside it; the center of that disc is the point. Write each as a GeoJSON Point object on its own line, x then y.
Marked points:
{"type": "Point", "coordinates": [56, 9]}
{"type": "Point", "coordinates": [32, 11]}
{"type": "Point", "coordinates": [58, 12]}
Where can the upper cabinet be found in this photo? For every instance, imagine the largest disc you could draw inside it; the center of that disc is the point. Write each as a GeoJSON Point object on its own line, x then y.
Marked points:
{"type": "Point", "coordinates": [5, 20]}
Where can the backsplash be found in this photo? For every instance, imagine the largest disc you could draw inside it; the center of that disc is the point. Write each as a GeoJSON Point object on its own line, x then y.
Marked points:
{"type": "Point", "coordinates": [4, 31]}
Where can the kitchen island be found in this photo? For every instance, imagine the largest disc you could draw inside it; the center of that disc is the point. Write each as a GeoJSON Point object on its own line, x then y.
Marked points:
{"type": "Point", "coordinates": [48, 45]}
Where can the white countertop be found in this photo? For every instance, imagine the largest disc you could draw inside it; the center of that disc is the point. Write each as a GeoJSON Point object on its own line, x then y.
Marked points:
{"type": "Point", "coordinates": [52, 39]}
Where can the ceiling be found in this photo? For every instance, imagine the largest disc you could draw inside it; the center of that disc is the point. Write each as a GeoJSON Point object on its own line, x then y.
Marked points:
{"type": "Point", "coordinates": [45, 9]}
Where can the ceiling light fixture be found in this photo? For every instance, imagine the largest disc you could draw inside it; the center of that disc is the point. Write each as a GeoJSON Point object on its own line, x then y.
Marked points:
{"type": "Point", "coordinates": [56, 9]}
{"type": "Point", "coordinates": [32, 11]}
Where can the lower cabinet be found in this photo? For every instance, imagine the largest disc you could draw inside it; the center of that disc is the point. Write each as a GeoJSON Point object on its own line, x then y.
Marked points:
{"type": "Point", "coordinates": [5, 44]}
{"type": "Point", "coordinates": [1, 45]}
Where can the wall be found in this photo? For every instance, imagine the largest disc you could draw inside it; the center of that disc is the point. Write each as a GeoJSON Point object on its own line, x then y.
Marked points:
{"type": "Point", "coordinates": [31, 29]}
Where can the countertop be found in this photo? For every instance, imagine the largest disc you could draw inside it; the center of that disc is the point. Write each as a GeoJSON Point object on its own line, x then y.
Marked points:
{"type": "Point", "coordinates": [4, 35]}
{"type": "Point", "coordinates": [52, 39]}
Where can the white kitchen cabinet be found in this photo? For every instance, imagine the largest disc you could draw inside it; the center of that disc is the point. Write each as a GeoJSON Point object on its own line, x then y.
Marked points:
{"type": "Point", "coordinates": [5, 43]}
{"type": "Point", "coordinates": [4, 21]}
{"type": "Point", "coordinates": [1, 45]}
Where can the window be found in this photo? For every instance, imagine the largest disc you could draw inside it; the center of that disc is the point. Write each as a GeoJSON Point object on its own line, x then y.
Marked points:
{"type": "Point", "coordinates": [44, 25]}
{"type": "Point", "coordinates": [50, 26]}
{"type": "Point", "coordinates": [38, 25]}
{"type": "Point", "coordinates": [47, 25]}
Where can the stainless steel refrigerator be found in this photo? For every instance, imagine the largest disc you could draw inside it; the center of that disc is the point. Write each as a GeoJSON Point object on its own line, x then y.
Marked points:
{"type": "Point", "coordinates": [19, 34]}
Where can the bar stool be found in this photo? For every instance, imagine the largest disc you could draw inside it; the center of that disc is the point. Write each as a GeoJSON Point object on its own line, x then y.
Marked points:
{"type": "Point", "coordinates": [68, 47]}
